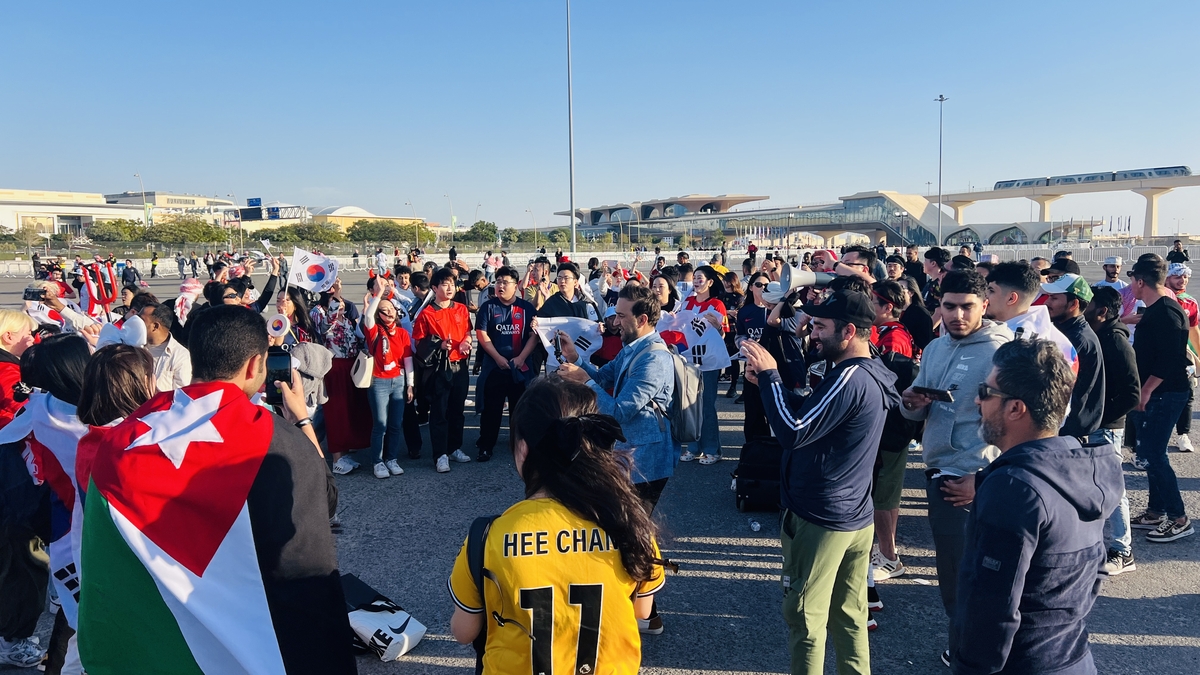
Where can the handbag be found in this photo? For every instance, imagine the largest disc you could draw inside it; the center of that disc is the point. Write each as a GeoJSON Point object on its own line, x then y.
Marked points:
{"type": "Point", "coordinates": [363, 370]}
{"type": "Point", "coordinates": [380, 626]}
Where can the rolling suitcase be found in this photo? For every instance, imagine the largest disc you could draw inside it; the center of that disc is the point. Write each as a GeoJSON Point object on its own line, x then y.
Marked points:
{"type": "Point", "coordinates": [756, 479]}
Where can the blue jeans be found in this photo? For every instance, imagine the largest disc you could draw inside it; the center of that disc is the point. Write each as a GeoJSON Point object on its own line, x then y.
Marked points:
{"type": "Point", "coordinates": [386, 397]}
{"type": "Point", "coordinates": [1117, 535]}
{"type": "Point", "coordinates": [1154, 427]}
{"type": "Point", "coordinates": [710, 430]}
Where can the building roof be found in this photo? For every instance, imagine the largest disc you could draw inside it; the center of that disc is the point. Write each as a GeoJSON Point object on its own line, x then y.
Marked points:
{"type": "Point", "coordinates": [692, 203]}
{"type": "Point", "coordinates": [350, 211]}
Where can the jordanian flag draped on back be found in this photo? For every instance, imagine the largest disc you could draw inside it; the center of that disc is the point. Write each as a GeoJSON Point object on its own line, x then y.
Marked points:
{"type": "Point", "coordinates": [173, 582]}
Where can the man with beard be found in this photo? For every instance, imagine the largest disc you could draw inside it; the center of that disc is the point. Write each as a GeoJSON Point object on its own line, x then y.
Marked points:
{"type": "Point", "coordinates": [642, 381]}
{"type": "Point", "coordinates": [829, 442]}
{"type": "Point", "coordinates": [1112, 273]}
{"type": "Point", "coordinates": [1035, 535]}
{"type": "Point", "coordinates": [956, 362]}
{"type": "Point", "coordinates": [1066, 299]}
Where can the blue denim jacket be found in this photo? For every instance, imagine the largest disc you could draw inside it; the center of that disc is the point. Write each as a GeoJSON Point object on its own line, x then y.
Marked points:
{"type": "Point", "coordinates": [650, 376]}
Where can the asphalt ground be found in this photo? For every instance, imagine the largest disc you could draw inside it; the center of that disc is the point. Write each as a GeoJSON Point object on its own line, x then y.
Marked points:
{"type": "Point", "coordinates": [722, 610]}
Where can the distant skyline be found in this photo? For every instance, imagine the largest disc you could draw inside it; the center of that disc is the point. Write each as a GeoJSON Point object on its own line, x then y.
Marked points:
{"type": "Point", "coordinates": [379, 104]}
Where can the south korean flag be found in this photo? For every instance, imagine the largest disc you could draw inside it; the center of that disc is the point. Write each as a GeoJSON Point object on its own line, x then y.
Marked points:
{"type": "Point", "coordinates": [705, 343]}
{"type": "Point", "coordinates": [585, 335]}
{"type": "Point", "coordinates": [312, 272]}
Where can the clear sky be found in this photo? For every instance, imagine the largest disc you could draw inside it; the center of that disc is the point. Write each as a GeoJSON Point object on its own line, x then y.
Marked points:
{"type": "Point", "coordinates": [375, 104]}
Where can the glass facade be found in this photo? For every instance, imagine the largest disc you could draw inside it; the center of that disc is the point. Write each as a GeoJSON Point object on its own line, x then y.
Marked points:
{"type": "Point", "coordinates": [870, 213]}
{"type": "Point", "coordinates": [963, 236]}
{"type": "Point", "coordinates": [1010, 236]}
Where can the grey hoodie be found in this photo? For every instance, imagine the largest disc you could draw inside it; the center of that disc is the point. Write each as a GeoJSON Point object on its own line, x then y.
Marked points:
{"type": "Point", "coordinates": [951, 441]}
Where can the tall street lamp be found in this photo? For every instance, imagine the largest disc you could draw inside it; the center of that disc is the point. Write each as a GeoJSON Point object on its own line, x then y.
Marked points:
{"type": "Point", "coordinates": [941, 100]}
{"type": "Point", "coordinates": [533, 219]}
{"type": "Point", "coordinates": [451, 217]}
{"type": "Point", "coordinates": [145, 208]}
{"type": "Point", "coordinates": [570, 129]}
{"type": "Point", "coordinates": [241, 239]}
{"type": "Point", "coordinates": [416, 224]}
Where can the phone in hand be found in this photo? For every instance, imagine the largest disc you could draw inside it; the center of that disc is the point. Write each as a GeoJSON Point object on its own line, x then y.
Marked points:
{"type": "Point", "coordinates": [943, 395]}
{"type": "Point", "coordinates": [35, 294]}
{"type": "Point", "coordinates": [279, 368]}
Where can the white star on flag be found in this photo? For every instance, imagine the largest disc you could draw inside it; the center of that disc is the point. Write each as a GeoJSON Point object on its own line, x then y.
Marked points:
{"type": "Point", "coordinates": [185, 422]}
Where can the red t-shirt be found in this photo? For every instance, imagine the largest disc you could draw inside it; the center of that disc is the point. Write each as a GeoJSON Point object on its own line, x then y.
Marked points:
{"type": "Point", "coordinates": [450, 324]}
{"type": "Point", "coordinates": [701, 308]}
{"type": "Point", "coordinates": [389, 348]}
{"type": "Point", "coordinates": [894, 337]}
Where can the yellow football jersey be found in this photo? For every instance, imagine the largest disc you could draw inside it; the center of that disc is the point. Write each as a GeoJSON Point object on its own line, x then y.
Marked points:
{"type": "Point", "coordinates": [560, 578]}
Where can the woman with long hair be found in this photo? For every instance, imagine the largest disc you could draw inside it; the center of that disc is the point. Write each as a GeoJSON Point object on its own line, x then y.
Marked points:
{"type": "Point", "coordinates": [292, 303]}
{"type": "Point", "coordinates": [347, 412]}
{"type": "Point", "coordinates": [664, 290]}
{"type": "Point", "coordinates": [392, 380]}
{"type": "Point", "coordinates": [706, 302]}
{"type": "Point", "coordinates": [584, 547]}
{"type": "Point", "coordinates": [733, 299]}
{"type": "Point", "coordinates": [16, 335]}
{"type": "Point", "coordinates": [51, 431]}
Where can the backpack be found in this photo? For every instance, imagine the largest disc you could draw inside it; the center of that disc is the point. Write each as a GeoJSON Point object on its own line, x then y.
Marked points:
{"type": "Point", "coordinates": [475, 541]}
{"type": "Point", "coordinates": [686, 412]}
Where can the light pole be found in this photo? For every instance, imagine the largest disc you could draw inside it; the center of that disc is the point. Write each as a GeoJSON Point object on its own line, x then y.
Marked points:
{"type": "Point", "coordinates": [533, 219]}
{"type": "Point", "coordinates": [451, 218]}
{"type": "Point", "coordinates": [941, 101]}
{"type": "Point", "coordinates": [145, 209]}
{"type": "Point", "coordinates": [570, 129]}
{"type": "Point", "coordinates": [241, 240]}
{"type": "Point", "coordinates": [416, 224]}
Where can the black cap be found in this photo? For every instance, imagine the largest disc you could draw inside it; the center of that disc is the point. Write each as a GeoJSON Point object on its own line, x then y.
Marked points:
{"type": "Point", "coordinates": [1064, 265]}
{"type": "Point", "coordinates": [849, 306]}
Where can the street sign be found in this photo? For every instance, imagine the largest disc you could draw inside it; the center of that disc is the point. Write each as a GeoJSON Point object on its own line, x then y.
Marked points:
{"type": "Point", "coordinates": [254, 201]}
{"type": "Point", "coordinates": [272, 213]}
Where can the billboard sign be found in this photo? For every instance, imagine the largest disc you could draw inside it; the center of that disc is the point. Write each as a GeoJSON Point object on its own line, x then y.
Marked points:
{"type": "Point", "coordinates": [254, 201]}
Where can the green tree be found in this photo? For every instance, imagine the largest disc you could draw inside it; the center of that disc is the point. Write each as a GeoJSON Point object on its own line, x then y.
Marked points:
{"type": "Point", "coordinates": [320, 233]}
{"type": "Point", "coordinates": [559, 236]}
{"type": "Point", "coordinates": [380, 231]}
{"type": "Point", "coordinates": [178, 229]}
{"type": "Point", "coordinates": [27, 235]}
{"type": "Point", "coordinates": [482, 230]}
{"type": "Point", "coordinates": [118, 229]}
{"type": "Point", "coordinates": [509, 235]}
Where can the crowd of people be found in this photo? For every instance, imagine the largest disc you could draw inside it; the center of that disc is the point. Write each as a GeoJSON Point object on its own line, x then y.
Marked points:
{"type": "Point", "coordinates": [1021, 385]}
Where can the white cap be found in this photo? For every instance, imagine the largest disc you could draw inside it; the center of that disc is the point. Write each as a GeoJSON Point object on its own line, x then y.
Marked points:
{"type": "Point", "coordinates": [1112, 260]}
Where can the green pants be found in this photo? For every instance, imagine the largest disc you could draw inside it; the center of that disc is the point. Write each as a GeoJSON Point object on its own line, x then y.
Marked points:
{"type": "Point", "coordinates": [825, 589]}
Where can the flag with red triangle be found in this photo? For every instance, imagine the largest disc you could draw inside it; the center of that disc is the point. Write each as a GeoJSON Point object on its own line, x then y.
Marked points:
{"type": "Point", "coordinates": [173, 579]}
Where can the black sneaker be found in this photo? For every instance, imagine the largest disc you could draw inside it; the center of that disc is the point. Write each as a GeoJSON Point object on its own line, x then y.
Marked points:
{"type": "Point", "coordinates": [414, 455]}
{"type": "Point", "coordinates": [1169, 530]}
{"type": "Point", "coordinates": [873, 602]}
{"type": "Point", "coordinates": [740, 399]}
{"type": "Point", "coordinates": [1117, 563]}
{"type": "Point", "coordinates": [946, 658]}
{"type": "Point", "coordinates": [484, 456]}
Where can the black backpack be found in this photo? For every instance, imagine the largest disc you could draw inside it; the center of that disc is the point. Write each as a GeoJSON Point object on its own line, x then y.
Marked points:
{"type": "Point", "coordinates": [476, 539]}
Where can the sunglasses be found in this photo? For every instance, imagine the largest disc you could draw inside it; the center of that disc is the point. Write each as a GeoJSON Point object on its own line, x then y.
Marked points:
{"type": "Point", "coordinates": [229, 297]}
{"type": "Point", "coordinates": [985, 392]}
{"type": "Point", "coordinates": [760, 285]}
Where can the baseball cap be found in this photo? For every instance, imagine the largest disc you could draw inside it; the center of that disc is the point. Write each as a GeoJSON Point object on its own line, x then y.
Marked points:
{"type": "Point", "coordinates": [1113, 260]}
{"type": "Point", "coordinates": [1063, 265]}
{"type": "Point", "coordinates": [849, 306]}
{"type": "Point", "coordinates": [1070, 283]}
{"type": "Point", "coordinates": [1178, 270]}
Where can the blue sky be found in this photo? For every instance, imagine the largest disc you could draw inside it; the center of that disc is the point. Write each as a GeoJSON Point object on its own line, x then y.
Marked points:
{"type": "Point", "coordinates": [380, 103]}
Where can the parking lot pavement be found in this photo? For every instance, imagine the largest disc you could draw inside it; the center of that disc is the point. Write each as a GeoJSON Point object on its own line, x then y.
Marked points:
{"type": "Point", "coordinates": [721, 611]}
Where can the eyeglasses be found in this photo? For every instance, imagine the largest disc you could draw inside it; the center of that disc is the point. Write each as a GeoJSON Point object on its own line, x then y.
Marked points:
{"type": "Point", "coordinates": [504, 282]}
{"type": "Point", "coordinates": [852, 264]}
{"type": "Point", "coordinates": [985, 392]}
{"type": "Point", "coordinates": [760, 285]}
{"type": "Point", "coordinates": [229, 297]}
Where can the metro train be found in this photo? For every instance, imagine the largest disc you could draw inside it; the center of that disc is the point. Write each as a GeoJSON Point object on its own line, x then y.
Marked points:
{"type": "Point", "coordinates": [1088, 178]}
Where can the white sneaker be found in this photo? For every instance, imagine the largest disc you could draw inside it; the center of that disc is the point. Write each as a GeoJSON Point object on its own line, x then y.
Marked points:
{"type": "Point", "coordinates": [23, 653]}
{"type": "Point", "coordinates": [344, 465]}
{"type": "Point", "coordinates": [394, 467]}
{"type": "Point", "coordinates": [443, 464]}
{"type": "Point", "coordinates": [1185, 444]}
{"type": "Point", "coordinates": [687, 456]}
{"type": "Point", "coordinates": [381, 470]}
{"type": "Point", "coordinates": [460, 457]}
{"type": "Point", "coordinates": [883, 569]}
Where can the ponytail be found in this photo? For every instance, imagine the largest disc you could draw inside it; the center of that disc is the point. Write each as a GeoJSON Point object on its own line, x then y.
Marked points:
{"type": "Point", "coordinates": [571, 457]}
